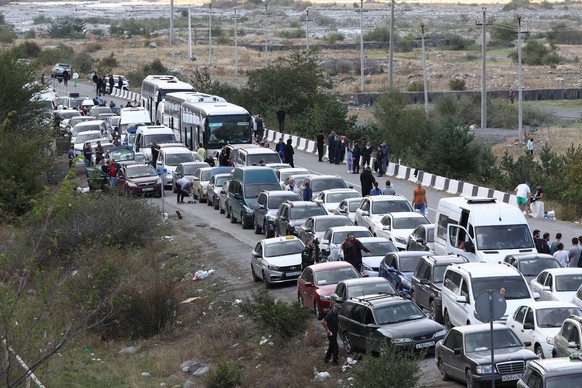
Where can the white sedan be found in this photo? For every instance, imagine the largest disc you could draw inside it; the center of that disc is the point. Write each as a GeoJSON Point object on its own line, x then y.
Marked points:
{"type": "Point", "coordinates": [348, 208]}
{"type": "Point", "coordinates": [330, 199]}
{"type": "Point", "coordinates": [539, 322]}
{"type": "Point", "coordinates": [396, 227]}
{"type": "Point", "coordinates": [557, 283]}
{"type": "Point", "coordinates": [277, 260]}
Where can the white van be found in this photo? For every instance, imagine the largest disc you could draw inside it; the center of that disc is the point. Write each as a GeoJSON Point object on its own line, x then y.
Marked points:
{"type": "Point", "coordinates": [146, 135]}
{"type": "Point", "coordinates": [481, 229]}
{"type": "Point", "coordinates": [128, 116]}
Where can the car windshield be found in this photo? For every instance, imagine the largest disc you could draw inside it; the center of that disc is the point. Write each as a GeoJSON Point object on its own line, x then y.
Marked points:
{"type": "Point", "coordinates": [75, 102]}
{"type": "Point", "coordinates": [334, 276]}
{"type": "Point", "coordinates": [340, 237]}
{"type": "Point", "coordinates": [338, 197]}
{"type": "Point", "coordinates": [175, 159]}
{"type": "Point", "coordinates": [84, 137]}
{"type": "Point", "coordinates": [325, 224]}
{"type": "Point", "coordinates": [409, 263]}
{"type": "Point", "coordinates": [283, 175]}
{"type": "Point", "coordinates": [141, 172]}
{"type": "Point", "coordinates": [122, 154]}
{"type": "Point", "coordinates": [306, 212]}
{"type": "Point", "coordinates": [380, 248]}
{"type": "Point", "coordinates": [140, 158]}
{"type": "Point", "coordinates": [84, 128]}
{"type": "Point", "coordinates": [409, 223]}
{"type": "Point", "coordinates": [159, 138]}
{"type": "Point", "coordinates": [504, 237]}
{"type": "Point", "coordinates": [283, 248]}
{"type": "Point", "coordinates": [327, 184]}
{"type": "Point", "coordinates": [564, 381]}
{"type": "Point", "coordinates": [555, 316]}
{"type": "Point", "coordinates": [481, 341]}
{"type": "Point", "coordinates": [253, 190]}
{"type": "Point", "coordinates": [570, 282]}
{"type": "Point", "coordinates": [276, 200]}
{"type": "Point", "coordinates": [533, 267]}
{"type": "Point", "coordinates": [512, 287]}
{"type": "Point", "coordinates": [383, 207]}
{"type": "Point", "coordinates": [255, 160]}
{"type": "Point", "coordinates": [370, 289]}
{"type": "Point", "coordinates": [69, 114]}
{"type": "Point", "coordinates": [401, 312]}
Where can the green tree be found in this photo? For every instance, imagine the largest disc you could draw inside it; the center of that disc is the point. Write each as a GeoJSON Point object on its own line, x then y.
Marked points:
{"type": "Point", "coordinates": [504, 33]}
{"type": "Point", "coordinates": [66, 27]}
{"type": "Point", "coordinates": [536, 53]}
{"type": "Point", "coordinates": [155, 67]}
{"type": "Point", "coordinates": [27, 49]}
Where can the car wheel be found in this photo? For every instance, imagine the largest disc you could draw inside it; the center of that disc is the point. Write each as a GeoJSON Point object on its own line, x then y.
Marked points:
{"type": "Point", "coordinates": [554, 353]}
{"type": "Point", "coordinates": [268, 234]}
{"type": "Point", "coordinates": [232, 217]}
{"type": "Point", "coordinates": [258, 229]}
{"type": "Point", "coordinates": [347, 342]}
{"type": "Point", "coordinates": [266, 281]}
{"type": "Point", "coordinates": [255, 277]}
{"type": "Point", "coordinates": [208, 203]}
{"type": "Point", "coordinates": [469, 379]}
{"type": "Point", "coordinates": [436, 315]}
{"type": "Point", "coordinates": [444, 374]}
{"type": "Point", "coordinates": [215, 203]}
{"type": "Point", "coordinates": [245, 224]}
{"type": "Point", "coordinates": [447, 320]}
{"type": "Point", "coordinates": [539, 351]}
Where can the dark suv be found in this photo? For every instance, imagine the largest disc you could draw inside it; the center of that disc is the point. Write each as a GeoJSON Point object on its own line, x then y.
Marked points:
{"type": "Point", "coordinates": [265, 210]}
{"type": "Point", "coordinates": [369, 322]}
{"type": "Point", "coordinates": [427, 282]}
{"type": "Point", "coordinates": [292, 214]}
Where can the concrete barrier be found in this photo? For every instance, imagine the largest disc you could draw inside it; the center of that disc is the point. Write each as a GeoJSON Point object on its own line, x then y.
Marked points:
{"type": "Point", "coordinates": [427, 179]}
{"type": "Point", "coordinates": [391, 169]}
{"type": "Point", "coordinates": [454, 187]}
{"type": "Point", "coordinates": [412, 177]}
{"type": "Point", "coordinates": [500, 196]}
{"type": "Point", "coordinates": [403, 172]}
{"type": "Point", "coordinates": [484, 192]}
{"type": "Point", "coordinates": [440, 183]}
{"type": "Point", "coordinates": [302, 146]}
{"type": "Point", "coordinates": [512, 200]}
{"type": "Point", "coordinates": [469, 190]}
{"type": "Point", "coordinates": [311, 147]}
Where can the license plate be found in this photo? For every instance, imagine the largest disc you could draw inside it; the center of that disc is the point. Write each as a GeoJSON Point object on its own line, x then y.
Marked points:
{"type": "Point", "coordinates": [291, 274]}
{"type": "Point", "coordinates": [510, 377]}
{"type": "Point", "coordinates": [147, 189]}
{"type": "Point", "coordinates": [425, 345]}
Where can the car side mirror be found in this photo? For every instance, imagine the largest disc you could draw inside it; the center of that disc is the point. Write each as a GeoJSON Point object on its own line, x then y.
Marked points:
{"type": "Point", "coordinates": [457, 351]}
{"type": "Point", "coordinates": [342, 210]}
{"type": "Point", "coordinates": [536, 295]}
{"type": "Point", "coordinates": [365, 213]}
{"type": "Point", "coordinates": [462, 299]}
{"type": "Point", "coordinates": [260, 206]}
{"type": "Point", "coordinates": [424, 281]}
{"type": "Point", "coordinates": [372, 326]}
{"type": "Point", "coordinates": [308, 284]}
{"type": "Point", "coordinates": [573, 345]}
{"type": "Point", "coordinates": [255, 254]}
{"type": "Point", "coordinates": [336, 297]}
{"type": "Point", "coordinates": [420, 241]}
{"type": "Point", "coordinates": [237, 196]}
{"type": "Point", "coordinates": [546, 288]}
{"type": "Point", "coordinates": [528, 326]}
{"type": "Point", "coordinates": [351, 187]}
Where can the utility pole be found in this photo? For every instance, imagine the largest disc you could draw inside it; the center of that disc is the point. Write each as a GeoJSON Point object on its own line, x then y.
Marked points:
{"type": "Point", "coordinates": [483, 25]}
{"type": "Point", "coordinates": [391, 49]}
{"type": "Point", "coordinates": [307, 31]}
{"type": "Point", "coordinates": [266, 35]}
{"type": "Point", "coordinates": [424, 75]}
{"type": "Point", "coordinates": [235, 42]}
{"type": "Point", "coordinates": [361, 46]}
{"type": "Point", "coordinates": [171, 22]}
{"type": "Point", "coordinates": [520, 134]}
{"type": "Point", "coordinates": [210, 35]}
{"type": "Point", "coordinates": [189, 33]}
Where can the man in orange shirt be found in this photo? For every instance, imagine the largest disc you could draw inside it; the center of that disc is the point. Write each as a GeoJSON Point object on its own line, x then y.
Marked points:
{"type": "Point", "coordinates": [419, 198]}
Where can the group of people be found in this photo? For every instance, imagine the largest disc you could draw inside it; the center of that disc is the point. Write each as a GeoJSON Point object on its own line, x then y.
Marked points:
{"type": "Point", "coordinates": [566, 258]}
{"type": "Point", "coordinates": [525, 199]}
{"type": "Point", "coordinates": [102, 82]}
{"type": "Point", "coordinates": [285, 151]}
{"type": "Point", "coordinates": [108, 166]}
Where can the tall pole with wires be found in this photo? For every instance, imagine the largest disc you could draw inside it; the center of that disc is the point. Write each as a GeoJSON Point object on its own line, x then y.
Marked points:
{"type": "Point", "coordinates": [361, 46]}
{"type": "Point", "coordinates": [391, 49]}
{"type": "Point", "coordinates": [266, 35]}
{"type": "Point", "coordinates": [307, 31]}
{"type": "Point", "coordinates": [483, 25]}
{"type": "Point", "coordinates": [520, 83]}
{"type": "Point", "coordinates": [210, 35]}
{"type": "Point", "coordinates": [235, 42]}
{"type": "Point", "coordinates": [424, 75]}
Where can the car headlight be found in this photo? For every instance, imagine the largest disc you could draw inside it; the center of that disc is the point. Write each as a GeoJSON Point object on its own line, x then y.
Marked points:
{"type": "Point", "coordinates": [439, 294]}
{"type": "Point", "coordinates": [131, 184]}
{"type": "Point", "coordinates": [550, 340]}
{"type": "Point", "coordinates": [400, 240]}
{"type": "Point", "coordinates": [406, 282]}
{"type": "Point", "coordinates": [440, 333]}
{"type": "Point", "coordinates": [273, 267]}
{"type": "Point", "coordinates": [367, 267]}
{"type": "Point", "coordinates": [483, 369]}
{"type": "Point", "coordinates": [403, 340]}
{"type": "Point", "coordinates": [324, 297]}
{"type": "Point", "coordinates": [159, 181]}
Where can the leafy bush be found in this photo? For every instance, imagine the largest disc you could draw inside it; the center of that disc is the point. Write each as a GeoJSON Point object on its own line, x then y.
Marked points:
{"type": "Point", "coordinates": [457, 84]}
{"type": "Point", "coordinates": [517, 4]}
{"type": "Point", "coordinates": [41, 19]}
{"type": "Point", "coordinates": [378, 34]}
{"type": "Point", "coordinates": [536, 53]}
{"type": "Point", "coordinates": [415, 86]}
{"type": "Point", "coordinates": [27, 50]}
{"type": "Point", "coordinates": [224, 376]}
{"type": "Point", "coordinates": [66, 27]}
{"type": "Point", "coordinates": [562, 34]}
{"type": "Point", "coordinates": [333, 37]}
{"type": "Point", "coordinates": [283, 319]}
{"type": "Point", "coordinates": [450, 41]}
{"type": "Point", "coordinates": [296, 33]}
{"type": "Point", "coordinates": [401, 366]}
{"type": "Point", "coordinates": [82, 62]}
{"type": "Point", "coordinates": [61, 53]}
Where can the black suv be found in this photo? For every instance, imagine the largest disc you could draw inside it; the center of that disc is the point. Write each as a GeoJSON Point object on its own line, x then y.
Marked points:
{"type": "Point", "coordinates": [427, 282]}
{"type": "Point", "coordinates": [292, 214]}
{"type": "Point", "coordinates": [265, 209]}
{"type": "Point", "coordinates": [369, 322]}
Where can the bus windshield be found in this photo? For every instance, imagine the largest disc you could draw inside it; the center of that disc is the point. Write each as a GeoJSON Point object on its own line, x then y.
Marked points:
{"type": "Point", "coordinates": [231, 129]}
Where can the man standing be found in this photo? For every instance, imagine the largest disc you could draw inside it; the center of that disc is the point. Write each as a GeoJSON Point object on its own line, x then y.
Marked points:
{"type": "Point", "coordinates": [366, 154]}
{"type": "Point", "coordinates": [330, 143]}
{"type": "Point", "coordinates": [75, 78]}
{"type": "Point", "coordinates": [281, 119]}
{"type": "Point", "coordinates": [366, 181]}
{"type": "Point", "coordinates": [307, 254]}
{"type": "Point", "coordinates": [280, 148]}
{"type": "Point", "coordinates": [307, 192]}
{"type": "Point", "coordinates": [352, 248]}
{"type": "Point", "coordinates": [388, 190]}
{"type": "Point", "coordinates": [330, 324]}
{"type": "Point", "coordinates": [554, 246]}
{"type": "Point", "coordinates": [522, 192]}
{"type": "Point", "coordinates": [260, 128]}
{"type": "Point", "coordinates": [511, 95]}
{"type": "Point", "coordinates": [574, 254]}
{"type": "Point", "coordinates": [356, 154]}
{"type": "Point", "coordinates": [71, 155]}
{"type": "Point", "coordinates": [291, 186]}
{"type": "Point", "coordinates": [66, 77]}
{"type": "Point", "coordinates": [561, 255]}
{"type": "Point", "coordinates": [530, 147]}
{"type": "Point", "coordinates": [385, 156]}
{"type": "Point", "coordinates": [337, 149]}
{"type": "Point", "coordinates": [320, 139]}
{"type": "Point", "coordinates": [419, 198]}
{"type": "Point", "coordinates": [111, 84]}
{"type": "Point", "coordinates": [155, 148]}
{"type": "Point", "coordinates": [289, 152]}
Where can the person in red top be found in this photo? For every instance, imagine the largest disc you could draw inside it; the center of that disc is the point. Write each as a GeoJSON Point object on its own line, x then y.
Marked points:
{"type": "Point", "coordinates": [419, 198]}
{"type": "Point", "coordinates": [112, 173]}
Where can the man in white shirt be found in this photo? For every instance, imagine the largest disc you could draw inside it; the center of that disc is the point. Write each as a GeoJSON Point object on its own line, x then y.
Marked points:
{"type": "Point", "coordinates": [291, 186]}
{"type": "Point", "coordinates": [522, 192]}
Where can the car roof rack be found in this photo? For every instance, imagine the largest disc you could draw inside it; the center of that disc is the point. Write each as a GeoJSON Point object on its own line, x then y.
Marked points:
{"type": "Point", "coordinates": [369, 299]}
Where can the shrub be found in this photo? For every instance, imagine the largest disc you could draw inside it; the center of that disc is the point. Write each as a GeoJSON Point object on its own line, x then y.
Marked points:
{"type": "Point", "coordinates": [283, 319]}
{"type": "Point", "coordinates": [27, 50]}
{"type": "Point", "coordinates": [457, 84]}
{"type": "Point", "coordinates": [401, 366]}
{"type": "Point", "coordinates": [333, 37]}
{"type": "Point", "coordinates": [378, 34]}
{"type": "Point", "coordinates": [224, 376]}
{"type": "Point", "coordinates": [416, 86]}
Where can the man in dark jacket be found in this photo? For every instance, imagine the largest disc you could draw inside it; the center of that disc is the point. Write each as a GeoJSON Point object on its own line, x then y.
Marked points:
{"type": "Point", "coordinates": [320, 139]}
{"type": "Point", "coordinates": [356, 153]}
{"type": "Point", "coordinates": [366, 154]}
{"type": "Point", "coordinates": [330, 142]}
{"type": "Point", "coordinates": [307, 255]}
{"type": "Point", "coordinates": [111, 84]}
{"type": "Point", "coordinates": [288, 149]}
{"type": "Point", "coordinates": [352, 248]}
{"type": "Point", "coordinates": [367, 181]}
{"type": "Point", "coordinates": [281, 119]}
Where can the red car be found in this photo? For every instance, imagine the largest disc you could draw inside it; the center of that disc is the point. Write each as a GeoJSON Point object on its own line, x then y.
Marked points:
{"type": "Point", "coordinates": [318, 281]}
{"type": "Point", "coordinates": [139, 179]}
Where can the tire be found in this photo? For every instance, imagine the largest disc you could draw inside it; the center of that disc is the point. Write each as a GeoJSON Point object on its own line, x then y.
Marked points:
{"type": "Point", "coordinates": [255, 277]}
{"type": "Point", "coordinates": [469, 380]}
{"type": "Point", "coordinates": [347, 343]}
{"type": "Point", "coordinates": [268, 284]}
{"type": "Point", "coordinates": [226, 212]}
{"type": "Point", "coordinates": [447, 321]}
{"type": "Point", "coordinates": [267, 233]}
{"type": "Point", "coordinates": [232, 217]}
{"type": "Point", "coordinates": [215, 203]}
{"type": "Point", "coordinates": [258, 229]}
{"type": "Point", "coordinates": [539, 351]}
{"type": "Point", "coordinates": [208, 203]}
{"type": "Point", "coordinates": [245, 224]}
{"type": "Point", "coordinates": [436, 315]}
{"type": "Point", "coordinates": [443, 373]}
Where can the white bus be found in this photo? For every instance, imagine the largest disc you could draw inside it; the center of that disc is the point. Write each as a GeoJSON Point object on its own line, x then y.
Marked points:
{"type": "Point", "coordinates": [214, 125]}
{"type": "Point", "coordinates": [153, 93]}
{"type": "Point", "coordinates": [172, 116]}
